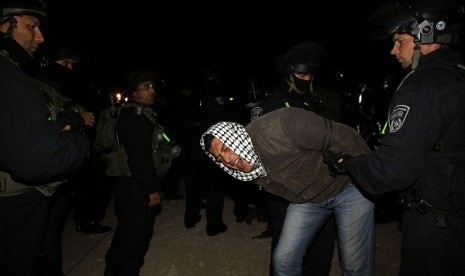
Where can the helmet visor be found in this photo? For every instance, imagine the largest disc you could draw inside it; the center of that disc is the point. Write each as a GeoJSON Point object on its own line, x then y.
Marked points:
{"type": "Point", "coordinates": [389, 18]}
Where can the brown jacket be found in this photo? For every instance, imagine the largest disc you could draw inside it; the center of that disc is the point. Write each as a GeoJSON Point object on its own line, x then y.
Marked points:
{"type": "Point", "coordinates": [290, 142]}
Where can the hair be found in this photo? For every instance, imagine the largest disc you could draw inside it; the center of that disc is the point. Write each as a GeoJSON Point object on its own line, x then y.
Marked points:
{"type": "Point", "coordinates": [207, 140]}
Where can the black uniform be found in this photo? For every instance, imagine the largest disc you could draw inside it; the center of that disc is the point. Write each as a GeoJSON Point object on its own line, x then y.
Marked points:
{"type": "Point", "coordinates": [424, 152]}
{"type": "Point", "coordinates": [195, 112]}
{"type": "Point", "coordinates": [136, 219]}
{"type": "Point", "coordinates": [33, 151]}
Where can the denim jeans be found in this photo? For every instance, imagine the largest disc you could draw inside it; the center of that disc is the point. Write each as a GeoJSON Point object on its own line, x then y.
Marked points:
{"type": "Point", "coordinates": [355, 230]}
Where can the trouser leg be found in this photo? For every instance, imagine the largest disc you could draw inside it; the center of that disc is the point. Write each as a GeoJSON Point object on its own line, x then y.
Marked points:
{"type": "Point", "coordinates": [23, 219]}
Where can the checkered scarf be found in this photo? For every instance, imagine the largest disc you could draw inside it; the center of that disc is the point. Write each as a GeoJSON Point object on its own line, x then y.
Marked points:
{"type": "Point", "coordinates": [235, 137]}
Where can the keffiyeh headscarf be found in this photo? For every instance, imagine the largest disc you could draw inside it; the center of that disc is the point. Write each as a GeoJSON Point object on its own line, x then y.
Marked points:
{"type": "Point", "coordinates": [236, 138]}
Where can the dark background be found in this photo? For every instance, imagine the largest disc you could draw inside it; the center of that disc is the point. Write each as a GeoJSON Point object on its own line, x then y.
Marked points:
{"type": "Point", "coordinates": [242, 38]}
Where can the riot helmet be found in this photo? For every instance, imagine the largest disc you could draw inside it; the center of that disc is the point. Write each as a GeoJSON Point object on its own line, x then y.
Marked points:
{"type": "Point", "coordinates": [212, 74]}
{"type": "Point", "coordinates": [138, 76]}
{"type": "Point", "coordinates": [10, 8]}
{"type": "Point", "coordinates": [428, 21]}
{"type": "Point", "coordinates": [305, 58]}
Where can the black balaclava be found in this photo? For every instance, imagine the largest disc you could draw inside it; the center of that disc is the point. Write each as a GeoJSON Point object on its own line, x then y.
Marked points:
{"type": "Point", "coordinates": [299, 85]}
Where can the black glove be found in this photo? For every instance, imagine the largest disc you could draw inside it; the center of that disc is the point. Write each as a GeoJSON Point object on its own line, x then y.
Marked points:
{"type": "Point", "coordinates": [71, 118]}
{"type": "Point", "coordinates": [335, 162]}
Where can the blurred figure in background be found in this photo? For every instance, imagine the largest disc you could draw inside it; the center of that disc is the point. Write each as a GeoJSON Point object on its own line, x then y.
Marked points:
{"type": "Point", "coordinates": [300, 67]}
{"type": "Point", "coordinates": [56, 81]}
{"type": "Point", "coordinates": [197, 108]}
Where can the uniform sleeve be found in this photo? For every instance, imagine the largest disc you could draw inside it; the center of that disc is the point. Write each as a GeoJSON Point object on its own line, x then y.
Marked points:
{"type": "Point", "coordinates": [33, 148]}
{"type": "Point", "coordinates": [416, 117]}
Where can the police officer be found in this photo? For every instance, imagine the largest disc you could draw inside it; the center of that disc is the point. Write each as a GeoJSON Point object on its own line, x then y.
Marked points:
{"type": "Point", "coordinates": [36, 152]}
{"type": "Point", "coordinates": [137, 191]}
{"type": "Point", "coordinates": [297, 88]}
{"type": "Point", "coordinates": [423, 149]}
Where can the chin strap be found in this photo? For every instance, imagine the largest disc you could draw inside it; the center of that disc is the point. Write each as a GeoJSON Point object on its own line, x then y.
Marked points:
{"type": "Point", "coordinates": [293, 86]}
{"type": "Point", "coordinates": [12, 24]}
{"type": "Point", "coordinates": [416, 53]}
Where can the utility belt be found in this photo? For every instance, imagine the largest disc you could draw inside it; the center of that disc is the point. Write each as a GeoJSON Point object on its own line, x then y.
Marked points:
{"type": "Point", "coordinates": [117, 161]}
{"type": "Point", "coordinates": [412, 199]}
{"type": "Point", "coordinates": [9, 187]}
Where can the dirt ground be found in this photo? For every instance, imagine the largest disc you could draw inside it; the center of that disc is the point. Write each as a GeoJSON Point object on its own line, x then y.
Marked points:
{"type": "Point", "coordinates": [176, 251]}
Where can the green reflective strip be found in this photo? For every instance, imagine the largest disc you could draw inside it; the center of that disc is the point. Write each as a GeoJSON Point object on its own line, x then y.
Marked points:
{"type": "Point", "coordinates": [384, 128]}
{"type": "Point", "coordinates": [167, 139]}
{"type": "Point", "coordinates": [287, 104]}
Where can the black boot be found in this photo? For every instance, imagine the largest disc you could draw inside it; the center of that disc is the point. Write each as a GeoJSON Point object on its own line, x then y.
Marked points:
{"type": "Point", "coordinates": [213, 231]}
{"type": "Point", "coordinates": [191, 221]}
{"type": "Point", "coordinates": [93, 227]}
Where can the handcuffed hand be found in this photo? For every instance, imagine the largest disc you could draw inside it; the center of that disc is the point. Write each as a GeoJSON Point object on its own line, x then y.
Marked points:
{"type": "Point", "coordinates": [335, 162]}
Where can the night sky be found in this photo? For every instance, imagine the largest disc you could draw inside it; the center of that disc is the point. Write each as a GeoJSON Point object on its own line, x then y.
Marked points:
{"type": "Point", "coordinates": [236, 36]}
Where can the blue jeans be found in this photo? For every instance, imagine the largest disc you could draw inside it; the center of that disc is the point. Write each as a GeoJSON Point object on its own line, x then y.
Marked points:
{"type": "Point", "coordinates": [355, 229]}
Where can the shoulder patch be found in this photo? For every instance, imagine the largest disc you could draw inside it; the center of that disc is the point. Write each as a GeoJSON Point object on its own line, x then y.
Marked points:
{"type": "Point", "coordinates": [397, 117]}
{"type": "Point", "coordinates": [255, 113]}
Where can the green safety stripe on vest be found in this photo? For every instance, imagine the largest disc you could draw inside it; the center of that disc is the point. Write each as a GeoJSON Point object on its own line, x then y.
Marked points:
{"type": "Point", "coordinates": [167, 139]}
{"type": "Point", "coordinates": [383, 131]}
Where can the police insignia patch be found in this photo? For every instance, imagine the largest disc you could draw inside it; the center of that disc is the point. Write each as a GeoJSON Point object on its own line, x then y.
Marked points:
{"type": "Point", "coordinates": [397, 117]}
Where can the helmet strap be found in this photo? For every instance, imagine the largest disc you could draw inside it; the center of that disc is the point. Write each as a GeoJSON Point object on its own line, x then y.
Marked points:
{"type": "Point", "coordinates": [293, 86]}
{"type": "Point", "coordinates": [12, 24]}
{"type": "Point", "coordinates": [416, 53]}
{"type": "Point", "coordinates": [291, 83]}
